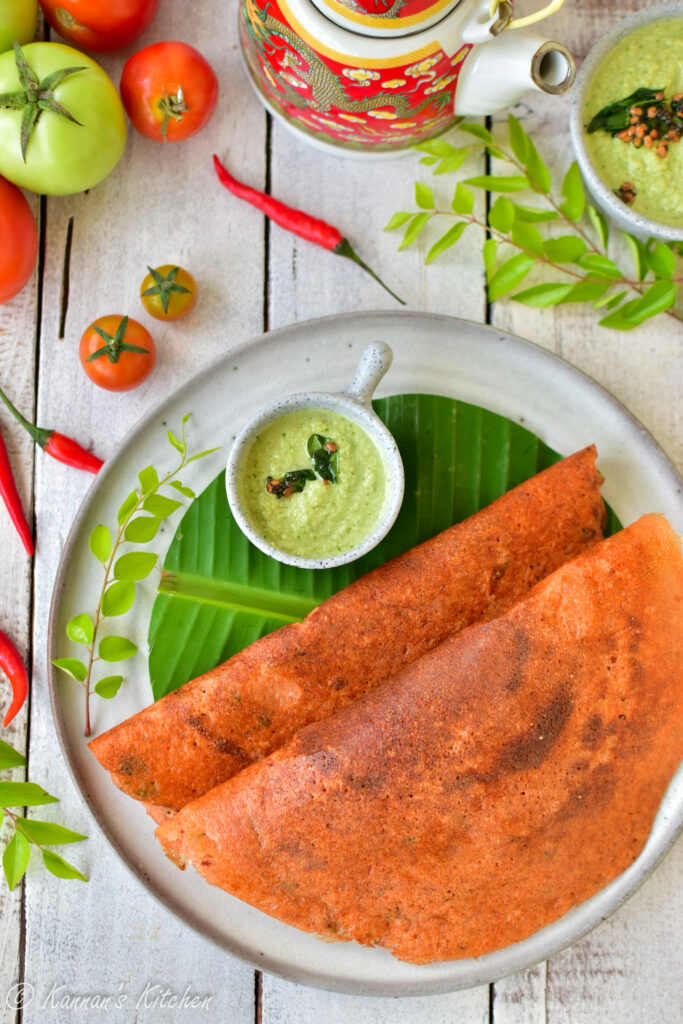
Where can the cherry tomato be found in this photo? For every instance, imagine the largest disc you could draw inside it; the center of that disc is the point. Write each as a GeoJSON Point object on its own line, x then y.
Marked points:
{"type": "Point", "coordinates": [169, 292]}
{"type": "Point", "coordinates": [18, 20]}
{"type": "Point", "coordinates": [117, 353]}
{"type": "Point", "coordinates": [19, 236]}
{"type": "Point", "coordinates": [98, 25]}
{"type": "Point", "coordinates": [169, 91]}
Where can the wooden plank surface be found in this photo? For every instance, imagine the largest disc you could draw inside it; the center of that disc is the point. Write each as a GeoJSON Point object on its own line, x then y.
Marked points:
{"type": "Point", "coordinates": [109, 937]}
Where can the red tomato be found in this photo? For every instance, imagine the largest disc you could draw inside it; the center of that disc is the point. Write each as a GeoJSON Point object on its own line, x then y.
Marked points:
{"type": "Point", "coordinates": [169, 91]}
{"type": "Point", "coordinates": [98, 25]}
{"type": "Point", "coordinates": [121, 364]}
{"type": "Point", "coordinates": [19, 236]}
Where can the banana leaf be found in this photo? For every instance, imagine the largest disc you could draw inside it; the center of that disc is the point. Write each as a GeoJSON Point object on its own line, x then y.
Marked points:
{"type": "Point", "coordinates": [218, 593]}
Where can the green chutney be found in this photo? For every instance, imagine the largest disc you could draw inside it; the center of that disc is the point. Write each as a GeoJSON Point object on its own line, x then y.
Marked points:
{"type": "Point", "coordinates": [323, 519]}
{"type": "Point", "coordinates": [649, 57]}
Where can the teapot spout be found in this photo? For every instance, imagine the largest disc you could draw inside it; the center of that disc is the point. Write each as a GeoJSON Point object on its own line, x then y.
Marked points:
{"type": "Point", "coordinates": [498, 72]}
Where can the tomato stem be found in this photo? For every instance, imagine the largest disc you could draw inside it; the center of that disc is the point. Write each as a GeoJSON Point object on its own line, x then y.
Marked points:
{"type": "Point", "coordinates": [114, 344]}
{"type": "Point", "coordinates": [173, 106]}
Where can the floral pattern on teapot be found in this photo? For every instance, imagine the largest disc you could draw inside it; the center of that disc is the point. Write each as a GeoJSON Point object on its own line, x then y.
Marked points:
{"type": "Point", "coordinates": [383, 105]}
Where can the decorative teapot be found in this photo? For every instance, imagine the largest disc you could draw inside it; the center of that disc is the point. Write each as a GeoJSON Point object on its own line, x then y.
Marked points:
{"type": "Point", "coordinates": [377, 76]}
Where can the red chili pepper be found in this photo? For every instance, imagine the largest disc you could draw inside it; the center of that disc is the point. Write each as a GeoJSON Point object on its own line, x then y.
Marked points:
{"type": "Point", "coordinates": [299, 223]}
{"type": "Point", "coordinates": [59, 446]}
{"type": "Point", "coordinates": [15, 670]}
{"type": "Point", "coordinates": [10, 495]}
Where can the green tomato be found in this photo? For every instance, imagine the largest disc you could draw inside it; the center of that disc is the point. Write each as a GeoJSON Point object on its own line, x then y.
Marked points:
{"type": "Point", "coordinates": [18, 20]}
{"type": "Point", "coordinates": [60, 155]}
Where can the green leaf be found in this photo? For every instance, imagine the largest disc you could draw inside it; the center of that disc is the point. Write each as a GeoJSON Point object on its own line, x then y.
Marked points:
{"type": "Point", "coordinates": [161, 506]}
{"type": "Point", "coordinates": [46, 833]}
{"type": "Point", "coordinates": [657, 298]}
{"type": "Point", "coordinates": [463, 200]}
{"type": "Point", "coordinates": [478, 131]}
{"type": "Point", "coordinates": [24, 794]}
{"type": "Point", "coordinates": [118, 599]}
{"type": "Point", "coordinates": [397, 220]}
{"type": "Point", "coordinates": [510, 274]}
{"type": "Point", "coordinates": [207, 451]}
{"type": "Point", "coordinates": [638, 253]}
{"type": "Point", "coordinates": [417, 223]}
{"type": "Point", "coordinates": [537, 172]}
{"type": "Point", "coordinates": [187, 492]}
{"type": "Point", "coordinates": [499, 182]}
{"type": "Point", "coordinates": [502, 215]}
{"type": "Point", "coordinates": [526, 236]}
{"type": "Point", "coordinates": [72, 666]}
{"type": "Point", "coordinates": [135, 565]}
{"type": "Point", "coordinates": [100, 543]}
{"type": "Point", "coordinates": [533, 214]}
{"type": "Point", "coordinates": [446, 241]}
{"type": "Point", "coordinates": [599, 224]}
{"type": "Point", "coordinates": [9, 757]}
{"type": "Point", "coordinates": [567, 249]}
{"type": "Point", "coordinates": [518, 139]}
{"type": "Point", "coordinates": [453, 162]}
{"type": "Point", "coordinates": [142, 529]}
{"type": "Point", "coordinates": [661, 260]}
{"type": "Point", "coordinates": [429, 161]}
{"type": "Point", "coordinates": [605, 298]}
{"type": "Point", "coordinates": [424, 197]}
{"type": "Point", "coordinates": [618, 320]}
{"type": "Point", "coordinates": [149, 480]}
{"type": "Point", "coordinates": [542, 295]}
{"type": "Point", "coordinates": [108, 686]}
{"type": "Point", "coordinates": [176, 443]}
{"type": "Point", "coordinates": [490, 253]}
{"type": "Point", "coordinates": [80, 629]}
{"type": "Point", "coordinates": [15, 859]}
{"type": "Point", "coordinates": [127, 507]}
{"type": "Point", "coordinates": [56, 865]}
{"type": "Point", "coordinates": [600, 266]}
{"type": "Point", "coordinates": [586, 291]}
{"type": "Point", "coordinates": [116, 648]}
{"type": "Point", "coordinates": [572, 190]}
{"type": "Point", "coordinates": [614, 300]}
{"type": "Point", "coordinates": [436, 147]}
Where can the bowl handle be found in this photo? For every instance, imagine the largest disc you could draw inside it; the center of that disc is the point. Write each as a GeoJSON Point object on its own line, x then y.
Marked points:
{"type": "Point", "coordinates": [374, 362]}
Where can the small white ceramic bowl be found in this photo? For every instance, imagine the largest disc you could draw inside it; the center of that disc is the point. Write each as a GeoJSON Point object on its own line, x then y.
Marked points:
{"type": "Point", "coordinates": [355, 403]}
{"type": "Point", "coordinates": [624, 216]}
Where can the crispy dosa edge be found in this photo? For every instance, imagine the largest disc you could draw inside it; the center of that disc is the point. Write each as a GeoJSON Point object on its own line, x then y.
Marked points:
{"type": "Point", "coordinates": [217, 724]}
{"type": "Point", "coordinates": [495, 783]}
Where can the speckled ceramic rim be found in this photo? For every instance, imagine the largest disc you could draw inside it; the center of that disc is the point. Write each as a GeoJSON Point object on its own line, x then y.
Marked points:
{"type": "Point", "coordinates": [360, 411]}
{"type": "Point", "coordinates": [624, 216]}
{"type": "Point", "coordinates": [537, 365]}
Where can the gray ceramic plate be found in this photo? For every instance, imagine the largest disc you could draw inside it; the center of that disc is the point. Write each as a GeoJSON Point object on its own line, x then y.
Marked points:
{"type": "Point", "coordinates": [432, 354]}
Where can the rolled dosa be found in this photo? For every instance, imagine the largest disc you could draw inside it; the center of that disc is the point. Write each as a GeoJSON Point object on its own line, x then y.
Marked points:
{"type": "Point", "coordinates": [215, 725]}
{"type": "Point", "coordinates": [493, 784]}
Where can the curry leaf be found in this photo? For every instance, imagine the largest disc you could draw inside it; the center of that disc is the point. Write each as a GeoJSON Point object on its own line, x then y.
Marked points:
{"type": "Point", "coordinates": [502, 215]}
{"type": "Point", "coordinates": [135, 565]}
{"type": "Point", "coordinates": [80, 629]}
{"type": "Point", "coordinates": [9, 757]}
{"type": "Point", "coordinates": [572, 189]}
{"type": "Point", "coordinates": [527, 237]}
{"type": "Point", "coordinates": [116, 648]}
{"type": "Point", "coordinates": [509, 275]}
{"type": "Point", "coordinates": [499, 182]}
{"type": "Point", "coordinates": [117, 599]}
{"type": "Point", "coordinates": [73, 667]}
{"type": "Point", "coordinates": [599, 223]}
{"type": "Point", "coordinates": [398, 220]}
{"type": "Point", "coordinates": [47, 833]}
{"type": "Point", "coordinates": [542, 295]}
{"type": "Point", "coordinates": [424, 197]}
{"type": "Point", "coordinates": [142, 529]}
{"type": "Point", "coordinates": [478, 131]}
{"type": "Point", "coordinates": [99, 542]}
{"type": "Point", "coordinates": [15, 859]}
{"type": "Point", "coordinates": [639, 255]}
{"type": "Point", "coordinates": [463, 200]}
{"type": "Point", "coordinates": [161, 506]}
{"type": "Point", "coordinates": [56, 865]}
{"type": "Point", "coordinates": [661, 260]}
{"type": "Point", "coordinates": [567, 249]}
{"type": "Point", "coordinates": [452, 162]}
{"type": "Point", "coordinates": [518, 138]}
{"type": "Point", "coordinates": [416, 225]}
{"type": "Point", "coordinates": [24, 794]}
{"type": "Point", "coordinates": [149, 480]}
{"type": "Point", "coordinates": [187, 492]}
{"type": "Point", "coordinates": [108, 687]}
{"type": "Point", "coordinates": [490, 251]}
{"type": "Point", "coordinates": [453, 234]}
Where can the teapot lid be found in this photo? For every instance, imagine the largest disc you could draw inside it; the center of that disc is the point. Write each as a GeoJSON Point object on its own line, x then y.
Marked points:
{"type": "Point", "coordinates": [385, 17]}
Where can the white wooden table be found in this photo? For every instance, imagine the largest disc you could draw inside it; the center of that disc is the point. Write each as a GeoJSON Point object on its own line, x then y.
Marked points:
{"type": "Point", "coordinates": [65, 941]}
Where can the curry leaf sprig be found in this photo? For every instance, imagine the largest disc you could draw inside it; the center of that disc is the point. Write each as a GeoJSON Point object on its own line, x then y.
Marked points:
{"type": "Point", "coordinates": [588, 274]}
{"type": "Point", "coordinates": [138, 521]}
{"type": "Point", "coordinates": [30, 832]}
